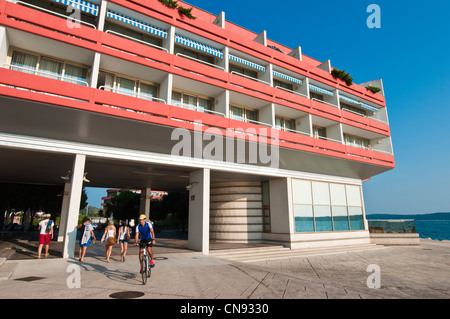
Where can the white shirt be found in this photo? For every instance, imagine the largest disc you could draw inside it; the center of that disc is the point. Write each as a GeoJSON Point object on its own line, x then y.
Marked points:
{"type": "Point", "coordinates": [43, 225]}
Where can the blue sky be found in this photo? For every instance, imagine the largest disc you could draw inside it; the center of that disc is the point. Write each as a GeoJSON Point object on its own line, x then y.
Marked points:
{"type": "Point", "coordinates": [410, 52]}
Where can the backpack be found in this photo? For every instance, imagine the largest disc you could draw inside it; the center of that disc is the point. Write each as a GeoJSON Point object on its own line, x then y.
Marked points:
{"type": "Point", "coordinates": [48, 228]}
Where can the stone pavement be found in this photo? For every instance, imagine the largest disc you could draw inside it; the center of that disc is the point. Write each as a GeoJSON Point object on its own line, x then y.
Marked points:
{"type": "Point", "coordinates": [405, 273]}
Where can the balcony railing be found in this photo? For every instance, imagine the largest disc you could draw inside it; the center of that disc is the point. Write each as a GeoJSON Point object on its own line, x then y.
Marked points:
{"type": "Point", "coordinates": [68, 18]}
{"type": "Point", "coordinates": [46, 90]}
{"type": "Point", "coordinates": [45, 74]}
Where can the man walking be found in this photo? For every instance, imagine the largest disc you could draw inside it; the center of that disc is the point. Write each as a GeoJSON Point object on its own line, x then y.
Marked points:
{"type": "Point", "coordinates": [45, 234]}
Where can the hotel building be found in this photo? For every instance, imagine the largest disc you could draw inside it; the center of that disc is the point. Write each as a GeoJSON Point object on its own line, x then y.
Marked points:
{"type": "Point", "coordinates": [137, 95]}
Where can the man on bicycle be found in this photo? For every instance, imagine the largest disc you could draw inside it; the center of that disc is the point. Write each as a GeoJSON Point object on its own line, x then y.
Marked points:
{"type": "Point", "coordinates": [145, 229]}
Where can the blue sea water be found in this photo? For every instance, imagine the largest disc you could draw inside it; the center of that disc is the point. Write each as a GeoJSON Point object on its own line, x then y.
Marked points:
{"type": "Point", "coordinates": [434, 229]}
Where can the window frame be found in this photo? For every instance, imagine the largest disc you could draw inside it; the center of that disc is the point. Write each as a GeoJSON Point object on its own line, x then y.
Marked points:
{"type": "Point", "coordinates": [36, 71]}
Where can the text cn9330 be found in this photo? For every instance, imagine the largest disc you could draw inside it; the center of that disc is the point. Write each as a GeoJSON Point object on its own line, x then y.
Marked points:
{"type": "Point", "coordinates": [229, 308]}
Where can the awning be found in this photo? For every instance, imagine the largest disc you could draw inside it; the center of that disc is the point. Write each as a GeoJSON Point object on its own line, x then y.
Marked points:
{"type": "Point", "coordinates": [245, 62]}
{"type": "Point", "coordinates": [197, 45]}
{"type": "Point", "coordinates": [350, 100]}
{"type": "Point", "coordinates": [81, 5]}
{"type": "Point", "coordinates": [141, 25]}
{"type": "Point", "coordinates": [347, 99]}
{"type": "Point", "coordinates": [320, 90]}
{"type": "Point", "coordinates": [368, 107]}
{"type": "Point", "coordinates": [287, 77]}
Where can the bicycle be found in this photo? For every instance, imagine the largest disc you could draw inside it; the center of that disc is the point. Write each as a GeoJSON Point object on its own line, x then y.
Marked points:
{"type": "Point", "coordinates": [146, 271]}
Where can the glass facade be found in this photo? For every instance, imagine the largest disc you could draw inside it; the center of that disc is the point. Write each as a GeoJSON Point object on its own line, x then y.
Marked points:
{"type": "Point", "coordinates": [326, 207]}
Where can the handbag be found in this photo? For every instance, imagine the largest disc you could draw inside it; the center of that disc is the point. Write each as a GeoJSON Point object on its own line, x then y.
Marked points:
{"type": "Point", "coordinates": [127, 234]}
{"type": "Point", "coordinates": [111, 239]}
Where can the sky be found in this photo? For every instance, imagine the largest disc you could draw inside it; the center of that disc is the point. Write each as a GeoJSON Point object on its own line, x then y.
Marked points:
{"type": "Point", "coordinates": [410, 52]}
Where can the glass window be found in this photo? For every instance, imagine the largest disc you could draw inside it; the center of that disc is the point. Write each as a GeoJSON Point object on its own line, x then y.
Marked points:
{"type": "Point", "coordinates": [176, 99]}
{"type": "Point", "coordinates": [237, 113]}
{"type": "Point", "coordinates": [147, 91]}
{"type": "Point", "coordinates": [356, 218]}
{"type": "Point", "coordinates": [75, 74]}
{"type": "Point", "coordinates": [321, 193]}
{"type": "Point", "coordinates": [244, 71]}
{"type": "Point", "coordinates": [316, 96]}
{"type": "Point", "coordinates": [50, 68]}
{"type": "Point", "coordinates": [304, 220]}
{"type": "Point", "coordinates": [289, 124]}
{"type": "Point", "coordinates": [353, 195]}
{"type": "Point", "coordinates": [284, 124]}
{"type": "Point", "coordinates": [337, 192]}
{"type": "Point", "coordinates": [25, 62]}
{"type": "Point", "coordinates": [279, 123]}
{"type": "Point", "coordinates": [283, 85]}
{"type": "Point", "coordinates": [320, 132]}
{"type": "Point", "coordinates": [340, 218]}
{"type": "Point", "coordinates": [322, 218]}
{"type": "Point", "coordinates": [251, 115]}
{"type": "Point", "coordinates": [301, 191]}
{"type": "Point", "coordinates": [189, 101]}
{"type": "Point", "coordinates": [204, 104]}
{"type": "Point", "coordinates": [125, 86]}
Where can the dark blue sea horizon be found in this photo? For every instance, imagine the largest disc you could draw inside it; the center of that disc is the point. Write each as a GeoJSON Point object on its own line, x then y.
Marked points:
{"type": "Point", "coordinates": [433, 229]}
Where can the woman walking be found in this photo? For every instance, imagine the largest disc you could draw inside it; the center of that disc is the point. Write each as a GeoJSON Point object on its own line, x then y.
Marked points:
{"type": "Point", "coordinates": [110, 236]}
{"type": "Point", "coordinates": [122, 239]}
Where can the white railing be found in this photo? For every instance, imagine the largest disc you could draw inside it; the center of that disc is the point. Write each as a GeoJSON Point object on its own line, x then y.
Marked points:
{"type": "Point", "coordinates": [139, 95]}
{"type": "Point", "coordinates": [194, 108]}
{"type": "Point", "coordinates": [200, 61]}
{"type": "Point", "coordinates": [249, 77]}
{"type": "Point", "coordinates": [136, 40]}
{"type": "Point", "coordinates": [44, 74]}
{"type": "Point", "coordinates": [68, 18]}
{"type": "Point", "coordinates": [290, 91]}
{"type": "Point", "coordinates": [324, 102]}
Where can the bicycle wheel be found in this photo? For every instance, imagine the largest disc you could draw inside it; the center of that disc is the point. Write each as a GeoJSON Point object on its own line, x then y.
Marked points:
{"type": "Point", "coordinates": [149, 268]}
{"type": "Point", "coordinates": [145, 266]}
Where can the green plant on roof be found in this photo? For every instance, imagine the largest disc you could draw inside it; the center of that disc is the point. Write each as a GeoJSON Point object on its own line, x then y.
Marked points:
{"type": "Point", "coordinates": [186, 12]}
{"type": "Point", "coordinates": [343, 76]}
{"type": "Point", "coordinates": [373, 89]}
{"type": "Point", "coordinates": [174, 5]}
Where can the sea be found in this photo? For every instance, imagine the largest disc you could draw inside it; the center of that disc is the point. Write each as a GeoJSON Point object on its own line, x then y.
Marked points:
{"type": "Point", "coordinates": [433, 229]}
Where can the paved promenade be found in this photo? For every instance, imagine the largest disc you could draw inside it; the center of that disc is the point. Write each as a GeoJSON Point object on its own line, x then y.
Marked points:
{"type": "Point", "coordinates": [404, 273]}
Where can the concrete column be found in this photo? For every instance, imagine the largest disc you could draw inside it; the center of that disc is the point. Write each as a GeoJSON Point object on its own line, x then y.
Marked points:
{"type": "Point", "coordinates": [198, 238]}
{"type": "Point", "coordinates": [102, 15]}
{"type": "Point", "coordinates": [144, 207]}
{"type": "Point", "coordinates": [95, 70]}
{"type": "Point", "coordinates": [64, 212]}
{"type": "Point", "coordinates": [70, 234]}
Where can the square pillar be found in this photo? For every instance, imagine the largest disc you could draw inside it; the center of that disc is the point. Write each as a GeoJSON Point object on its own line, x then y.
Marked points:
{"type": "Point", "coordinates": [198, 237]}
{"type": "Point", "coordinates": [144, 207]}
{"type": "Point", "coordinates": [64, 212]}
{"type": "Point", "coordinates": [76, 186]}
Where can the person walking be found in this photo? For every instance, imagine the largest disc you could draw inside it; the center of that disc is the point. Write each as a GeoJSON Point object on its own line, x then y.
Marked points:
{"type": "Point", "coordinates": [45, 234]}
{"type": "Point", "coordinates": [145, 230]}
{"type": "Point", "coordinates": [87, 234]}
{"type": "Point", "coordinates": [122, 239]}
{"type": "Point", "coordinates": [110, 236]}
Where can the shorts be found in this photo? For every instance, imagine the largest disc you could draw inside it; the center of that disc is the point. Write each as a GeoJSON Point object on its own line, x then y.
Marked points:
{"type": "Point", "coordinates": [44, 239]}
{"type": "Point", "coordinates": [145, 243]}
{"type": "Point", "coordinates": [123, 241]}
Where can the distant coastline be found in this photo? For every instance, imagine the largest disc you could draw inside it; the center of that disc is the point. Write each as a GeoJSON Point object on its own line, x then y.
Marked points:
{"type": "Point", "coordinates": [431, 216]}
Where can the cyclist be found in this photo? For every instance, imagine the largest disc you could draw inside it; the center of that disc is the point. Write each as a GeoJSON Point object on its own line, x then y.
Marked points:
{"type": "Point", "coordinates": [145, 229]}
